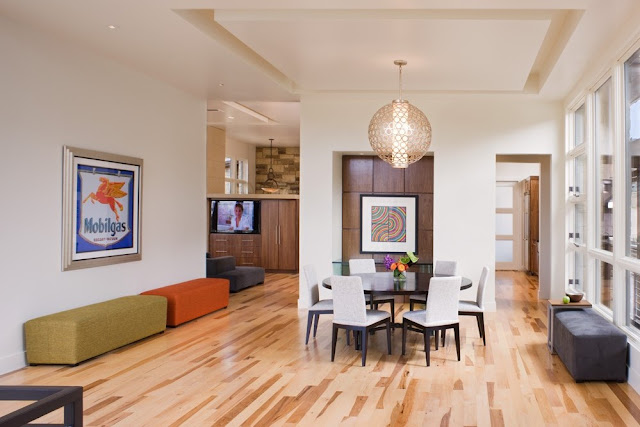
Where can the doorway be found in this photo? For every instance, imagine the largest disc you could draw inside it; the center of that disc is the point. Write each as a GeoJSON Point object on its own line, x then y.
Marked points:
{"type": "Point", "coordinates": [516, 224]}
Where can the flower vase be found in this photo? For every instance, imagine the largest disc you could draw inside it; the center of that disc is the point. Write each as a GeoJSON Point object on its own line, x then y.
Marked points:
{"type": "Point", "coordinates": [399, 275]}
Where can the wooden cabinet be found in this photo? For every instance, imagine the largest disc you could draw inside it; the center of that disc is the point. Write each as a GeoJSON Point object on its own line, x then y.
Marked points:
{"type": "Point", "coordinates": [279, 228]}
{"type": "Point", "coordinates": [246, 248]}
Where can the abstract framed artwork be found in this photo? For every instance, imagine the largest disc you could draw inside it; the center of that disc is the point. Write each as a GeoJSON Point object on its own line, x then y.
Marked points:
{"type": "Point", "coordinates": [388, 223]}
{"type": "Point", "coordinates": [101, 208]}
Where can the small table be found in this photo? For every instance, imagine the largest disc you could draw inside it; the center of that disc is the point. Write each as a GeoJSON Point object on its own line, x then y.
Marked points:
{"type": "Point", "coordinates": [557, 305]}
{"type": "Point", "coordinates": [383, 283]}
{"type": "Point", "coordinates": [47, 399]}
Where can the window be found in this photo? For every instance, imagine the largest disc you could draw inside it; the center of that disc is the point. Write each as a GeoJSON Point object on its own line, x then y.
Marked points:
{"type": "Point", "coordinates": [236, 178]}
{"type": "Point", "coordinates": [633, 298]}
{"type": "Point", "coordinates": [604, 165]}
{"type": "Point", "coordinates": [632, 150]}
{"type": "Point", "coordinates": [604, 284]}
{"type": "Point", "coordinates": [580, 126]}
{"type": "Point", "coordinates": [576, 274]}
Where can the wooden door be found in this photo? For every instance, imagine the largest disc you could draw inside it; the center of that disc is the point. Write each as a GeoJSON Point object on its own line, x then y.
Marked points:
{"type": "Point", "coordinates": [288, 234]}
{"type": "Point", "coordinates": [269, 231]}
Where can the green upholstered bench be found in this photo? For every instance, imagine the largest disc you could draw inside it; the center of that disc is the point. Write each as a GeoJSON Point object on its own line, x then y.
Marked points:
{"type": "Point", "coordinates": [72, 336]}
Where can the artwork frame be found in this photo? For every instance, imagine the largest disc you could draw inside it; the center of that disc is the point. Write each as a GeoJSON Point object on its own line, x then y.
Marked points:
{"type": "Point", "coordinates": [101, 208]}
{"type": "Point", "coordinates": [375, 221]}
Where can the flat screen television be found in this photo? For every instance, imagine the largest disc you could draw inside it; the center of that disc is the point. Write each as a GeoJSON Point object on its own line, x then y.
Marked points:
{"type": "Point", "coordinates": [235, 216]}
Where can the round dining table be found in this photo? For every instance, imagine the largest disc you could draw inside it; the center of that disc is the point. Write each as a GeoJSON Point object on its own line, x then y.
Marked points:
{"type": "Point", "coordinates": [383, 283]}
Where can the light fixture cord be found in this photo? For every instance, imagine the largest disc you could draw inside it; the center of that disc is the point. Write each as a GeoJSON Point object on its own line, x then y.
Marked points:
{"type": "Point", "coordinates": [400, 82]}
{"type": "Point", "coordinates": [271, 153]}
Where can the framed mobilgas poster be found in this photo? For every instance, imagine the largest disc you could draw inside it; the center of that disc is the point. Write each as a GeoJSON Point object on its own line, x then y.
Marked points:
{"type": "Point", "coordinates": [102, 198]}
{"type": "Point", "coordinates": [388, 223]}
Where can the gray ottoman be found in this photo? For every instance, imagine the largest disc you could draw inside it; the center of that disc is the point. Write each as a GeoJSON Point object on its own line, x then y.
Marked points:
{"type": "Point", "coordinates": [224, 267]}
{"type": "Point", "coordinates": [590, 347]}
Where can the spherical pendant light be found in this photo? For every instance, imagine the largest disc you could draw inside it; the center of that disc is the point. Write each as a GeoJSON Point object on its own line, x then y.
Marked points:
{"type": "Point", "coordinates": [400, 133]}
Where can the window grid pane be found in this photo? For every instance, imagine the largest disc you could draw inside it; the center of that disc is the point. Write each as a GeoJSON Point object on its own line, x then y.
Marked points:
{"type": "Point", "coordinates": [580, 126]}
{"type": "Point", "coordinates": [578, 271]}
{"type": "Point", "coordinates": [578, 175]}
{"type": "Point", "coordinates": [604, 283]}
{"type": "Point", "coordinates": [633, 296]}
{"type": "Point", "coordinates": [632, 151]}
{"type": "Point", "coordinates": [604, 165]}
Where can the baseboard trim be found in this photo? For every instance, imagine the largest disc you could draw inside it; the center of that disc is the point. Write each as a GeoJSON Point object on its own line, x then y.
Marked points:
{"type": "Point", "coordinates": [13, 362]}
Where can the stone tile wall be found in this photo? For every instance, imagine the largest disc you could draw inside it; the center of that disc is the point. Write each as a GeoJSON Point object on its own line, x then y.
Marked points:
{"type": "Point", "coordinates": [286, 168]}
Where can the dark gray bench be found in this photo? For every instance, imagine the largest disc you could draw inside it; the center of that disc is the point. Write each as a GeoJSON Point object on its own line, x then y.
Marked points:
{"type": "Point", "coordinates": [590, 347]}
{"type": "Point", "coordinates": [224, 267]}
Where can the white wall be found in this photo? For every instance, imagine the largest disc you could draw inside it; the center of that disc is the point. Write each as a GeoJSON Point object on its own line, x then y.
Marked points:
{"type": "Point", "coordinates": [55, 95]}
{"type": "Point", "coordinates": [468, 132]}
{"type": "Point", "coordinates": [506, 171]}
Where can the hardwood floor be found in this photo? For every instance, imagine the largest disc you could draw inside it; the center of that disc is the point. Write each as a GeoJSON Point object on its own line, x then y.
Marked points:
{"type": "Point", "coordinates": [248, 365]}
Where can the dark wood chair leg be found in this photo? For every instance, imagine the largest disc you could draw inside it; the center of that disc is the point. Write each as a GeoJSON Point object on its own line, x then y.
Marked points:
{"type": "Point", "coordinates": [410, 305]}
{"type": "Point", "coordinates": [334, 337]}
{"type": "Point", "coordinates": [309, 321]}
{"type": "Point", "coordinates": [404, 336]}
{"type": "Point", "coordinates": [478, 321]}
{"type": "Point", "coordinates": [436, 337]}
{"type": "Point", "coordinates": [456, 330]}
{"type": "Point", "coordinates": [365, 338]}
{"type": "Point", "coordinates": [444, 334]}
{"type": "Point", "coordinates": [427, 333]}
{"type": "Point", "coordinates": [484, 334]}
{"type": "Point", "coordinates": [348, 339]}
{"type": "Point", "coordinates": [315, 324]}
{"type": "Point", "coordinates": [388, 336]}
{"type": "Point", "coordinates": [393, 311]}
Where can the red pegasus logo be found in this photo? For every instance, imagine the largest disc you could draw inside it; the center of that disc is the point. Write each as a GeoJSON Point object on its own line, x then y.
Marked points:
{"type": "Point", "coordinates": [107, 194]}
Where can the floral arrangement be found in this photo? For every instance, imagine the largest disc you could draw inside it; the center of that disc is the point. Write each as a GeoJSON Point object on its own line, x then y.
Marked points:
{"type": "Point", "coordinates": [402, 265]}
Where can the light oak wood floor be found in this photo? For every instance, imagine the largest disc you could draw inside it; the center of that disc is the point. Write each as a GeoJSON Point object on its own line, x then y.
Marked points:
{"type": "Point", "coordinates": [248, 365]}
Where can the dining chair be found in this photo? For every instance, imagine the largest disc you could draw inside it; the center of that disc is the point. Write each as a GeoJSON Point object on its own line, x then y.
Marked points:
{"type": "Point", "coordinates": [476, 308]}
{"type": "Point", "coordinates": [443, 268]}
{"type": "Point", "coordinates": [316, 305]}
{"type": "Point", "coordinates": [441, 314]}
{"type": "Point", "coordinates": [350, 313]}
{"type": "Point", "coordinates": [368, 265]}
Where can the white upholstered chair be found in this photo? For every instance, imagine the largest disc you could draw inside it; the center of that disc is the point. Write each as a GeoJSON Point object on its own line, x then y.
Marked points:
{"type": "Point", "coordinates": [441, 313]}
{"type": "Point", "coordinates": [316, 306]}
{"type": "Point", "coordinates": [476, 308]}
{"type": "Point", "coordinates": [368, 265]}
{"type": "Point", "coordinates": [441, 268]}
{"type": "Point", "coordinates": [350, 313]}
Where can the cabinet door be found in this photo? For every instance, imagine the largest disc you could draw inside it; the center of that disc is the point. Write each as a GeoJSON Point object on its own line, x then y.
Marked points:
{"type": "Point", "coordinates": [288, 235]}
{"type": "Point", "coordinates": [269, 230]}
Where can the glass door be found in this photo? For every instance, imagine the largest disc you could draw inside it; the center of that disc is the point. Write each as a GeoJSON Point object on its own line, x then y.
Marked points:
{"type": "Point", "coordinates": [508, 233]}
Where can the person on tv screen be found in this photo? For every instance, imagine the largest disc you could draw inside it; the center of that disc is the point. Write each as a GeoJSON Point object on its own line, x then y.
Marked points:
{"type": "Point", "coordinates": [240, 221]}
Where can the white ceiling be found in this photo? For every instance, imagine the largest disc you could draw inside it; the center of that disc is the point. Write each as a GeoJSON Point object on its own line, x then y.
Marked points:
{"type": "Point", "coordinates": [264, 55]}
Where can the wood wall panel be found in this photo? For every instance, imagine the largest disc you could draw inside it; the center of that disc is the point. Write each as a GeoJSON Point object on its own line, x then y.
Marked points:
{"type": "Point", "coordinates": [351, 245]}
{"type": "Point", "coordinates": [357, 174]}
{"type": "Point", "coordinates": [425, 211]}
{"type": "Point", "coordinates": [418, 177]}
{"type": "Point", "coordinates": [387, 179]}
{"type": "Point", "coordinates": [351, 210]}
{"type": "Point", "coordinates": [425, 246]}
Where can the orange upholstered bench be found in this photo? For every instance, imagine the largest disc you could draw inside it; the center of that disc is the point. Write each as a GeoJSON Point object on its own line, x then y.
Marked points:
{"type": "Point", "coordinates": [192, 299]}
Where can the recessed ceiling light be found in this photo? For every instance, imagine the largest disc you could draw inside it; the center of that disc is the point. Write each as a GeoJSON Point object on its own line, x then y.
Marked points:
{"type": "Point", "coordinates": [112, 27]}
{"type": "Point", "coordinates": [220, 84]}
{"type": "Point", "coordinates": [231, 117]}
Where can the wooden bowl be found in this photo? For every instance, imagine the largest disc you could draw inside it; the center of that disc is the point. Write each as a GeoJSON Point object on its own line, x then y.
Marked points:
{"type": "Point", "coordinates": [575, 296]}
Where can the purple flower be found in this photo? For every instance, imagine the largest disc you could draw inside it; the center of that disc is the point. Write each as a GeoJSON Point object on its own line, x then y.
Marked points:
{"type": "Point", "coordinates": [388, 261]}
